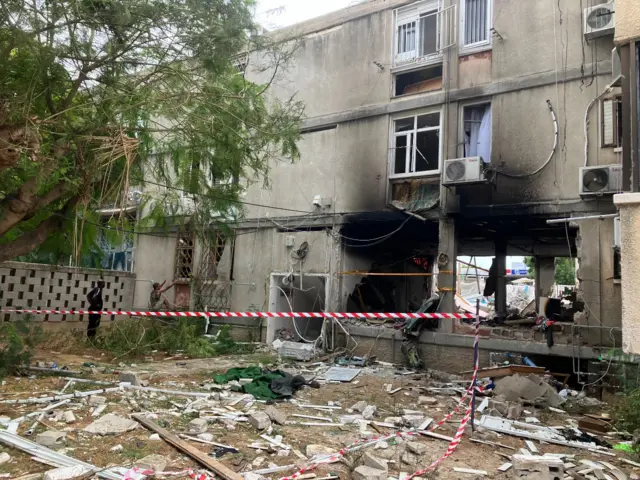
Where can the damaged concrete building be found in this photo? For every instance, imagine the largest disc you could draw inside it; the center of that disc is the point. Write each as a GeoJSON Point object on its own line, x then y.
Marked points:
{"type": "Point", "coordinates": [434, 129]}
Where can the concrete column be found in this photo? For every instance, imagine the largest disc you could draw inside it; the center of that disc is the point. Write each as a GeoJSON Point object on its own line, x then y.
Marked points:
{"type": "Point", "coordinates": [501, 283]}
{"type": "Point", "coordinates": [447, 255]}
{"type": "Point", "coordinates": [545, 278]}
{"type": "Point", "coordinates": [629, 205]}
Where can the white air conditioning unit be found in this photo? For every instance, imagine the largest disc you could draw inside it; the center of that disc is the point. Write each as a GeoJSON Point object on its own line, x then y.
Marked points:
{"type": "Point", "coordinates": [616, 68]}
{"type": "Point", "coordinates": [600, 180]}
{"type": "Point", "coordinates": [463, 170]}
{"type": "Point", "coordinates": [600, 20]}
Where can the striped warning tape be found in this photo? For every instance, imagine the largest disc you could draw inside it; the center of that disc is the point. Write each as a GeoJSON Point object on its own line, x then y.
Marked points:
{"type": "Point", "coordinates": [354, 315]}
{"type": "Point", "coordinates": [374, 440]}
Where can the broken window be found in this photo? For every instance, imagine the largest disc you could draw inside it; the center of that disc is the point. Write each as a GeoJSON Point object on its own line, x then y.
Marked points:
{"type": "Point", "coordinates": [423, 30]}
{"type": "Point", "coordinates": [477, 131]}
{"type": "Point", "coordinates": [475, 18]}
{"type": "Point", "coordinates": [416, 81]}
{"type": "Point", "coordinates": [611, 120]}
{"type": "Point", "coordinates": [184, 256]}
{"type": "Point", "coordinates": [416, 145]}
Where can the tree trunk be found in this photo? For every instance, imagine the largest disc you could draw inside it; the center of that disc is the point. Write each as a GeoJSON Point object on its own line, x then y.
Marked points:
{"type": "Point", "coordinates": [29, 241]}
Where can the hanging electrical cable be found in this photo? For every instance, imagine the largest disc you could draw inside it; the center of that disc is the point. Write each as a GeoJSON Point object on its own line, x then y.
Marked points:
{"type": "Point", "coordinates": [553, 150]}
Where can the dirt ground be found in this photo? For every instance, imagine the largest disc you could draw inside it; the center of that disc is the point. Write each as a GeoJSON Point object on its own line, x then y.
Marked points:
{"type": "Point", "coordinates": [189, 375]}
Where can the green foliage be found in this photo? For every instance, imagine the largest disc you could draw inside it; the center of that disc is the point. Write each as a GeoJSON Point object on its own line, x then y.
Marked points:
{"type": "Point", "coordinates": [628, 412]}
{"type": "Point", "coordinates": [565, 273]}
{"type": "Point", "coordinates": [111, 90]}
{"type": "Point", "coordinates": [17, 342]}
{"type": "Point", "coordinates": [138, 337]}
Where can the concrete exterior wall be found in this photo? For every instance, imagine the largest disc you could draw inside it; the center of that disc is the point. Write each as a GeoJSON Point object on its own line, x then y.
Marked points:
{"type": "Point", "coordinates": [347, 164]}
{"type": "Point", "coordinates": [264, 253]}
{"type": "Point", "coordinates": [155, 262]}
{"type": "Point", "coordinates": [629, 205]}
{"type": "Point", "coordinates": [627, 21]}
{"type": "Point", "coordinates": [51, 287]}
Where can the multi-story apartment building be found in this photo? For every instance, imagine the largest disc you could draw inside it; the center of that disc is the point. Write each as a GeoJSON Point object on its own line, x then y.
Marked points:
{"type": "Point", "coordinates": [436, 129]}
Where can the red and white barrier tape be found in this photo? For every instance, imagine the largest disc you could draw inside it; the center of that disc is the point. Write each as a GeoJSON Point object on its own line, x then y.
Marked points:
{"type": "Point", "coordinates": [372, 441]}
{"type": "Point", "coordinates": [354, 315]}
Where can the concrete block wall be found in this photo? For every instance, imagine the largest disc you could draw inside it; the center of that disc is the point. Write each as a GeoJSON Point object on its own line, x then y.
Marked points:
{"type": "Point", "coordinates": [47, 287]}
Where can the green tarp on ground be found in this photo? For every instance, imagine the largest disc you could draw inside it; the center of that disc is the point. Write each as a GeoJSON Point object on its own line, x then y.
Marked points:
{"type": "Point", "coordinates": [260, 388]}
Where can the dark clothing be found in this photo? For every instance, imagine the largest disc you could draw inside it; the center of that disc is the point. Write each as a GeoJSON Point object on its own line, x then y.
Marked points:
{"type": "Point", "coordinates": [492, 280]}
{"type": "Point", "coordinates": [95, 304]}
{"type": "Point", "coordinates": [92, 328]}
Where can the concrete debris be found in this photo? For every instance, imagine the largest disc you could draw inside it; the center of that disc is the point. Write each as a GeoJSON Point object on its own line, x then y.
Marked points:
{"type": "Point", "coordinates": [259, 420]}
{"type": "Point", "coordinates": [130, 377]}
{"type": "Point", "coordinates": [422, 400]}
{"type": "Point", "coordinates": [197, 425]}
{"type": "Point", "coordinates": [413, 421]}
{"type": "Point", "coordinates": [157, 463]}
{"type": "Point", "coordinates": [372, 461]}
{"type": "Point", "coordinates": [51, 438]}
{"type": "Point", "coordinates": [69, 417]}
{"type": "Point", "coordinates": [417, 447]}
{"type": "Point", "coordinates": [537, 468]}
{"type": "Point", "coordinates": [4, 457]}
{"type": "Point", "coordinates": [117, 448]}
{"type": "Point", "coordinates": [369, 412]}
{"type": "Point", "coordinates": [66, 473]}
{"type": "Point", "coordinates": [359, 407]}
{"type": "Point", "coordinates": [501, 407]}
{"type": "Point", "coordinates": [410, 458]}
{"type": "Point", "coordinates": [207, 437]}
{"type": "Point", "coordinates": [514, 412]}
{"type": "Point", "coordinates": [314, 450]}
{"type": "Point", "coordinates": [367, 473]}
{"type": "Point", "coordinates": [154, 437]}
{"type": "Point", "coordinates": [530, 389]}
{"type": "Point", "coordinates": [96, 400]}
{"type": "Point", "coordinates": [276, 415]}
{"type": "Point", "coordinates": [111, 424]}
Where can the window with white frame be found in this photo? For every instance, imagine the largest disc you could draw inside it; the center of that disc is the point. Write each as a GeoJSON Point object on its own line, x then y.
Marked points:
{"type": "Point", "coordinates": [423, 30]}
{"type": "Point", "coordinates": [475, 24]}
{"type": "Point", "coordinates": [416, 145]}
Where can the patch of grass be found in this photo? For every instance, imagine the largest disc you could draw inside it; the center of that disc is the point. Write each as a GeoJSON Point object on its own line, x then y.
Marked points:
{"type": "Point", "coordinates": [138, 337]}
{"type": "Point", "coordinates": [17, 343]}
{"type": "Point", "coordinates": [136, 449]}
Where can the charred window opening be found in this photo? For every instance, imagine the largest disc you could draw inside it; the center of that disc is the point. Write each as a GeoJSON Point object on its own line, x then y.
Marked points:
{"type": "Point", "coordinates": [423, 80]}
{"type": "Point", "coordinates": [477, 131]}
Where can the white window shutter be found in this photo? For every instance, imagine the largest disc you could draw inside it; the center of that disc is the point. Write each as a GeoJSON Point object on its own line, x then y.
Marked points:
{"type": "Point", "coordinates": [607, 123]}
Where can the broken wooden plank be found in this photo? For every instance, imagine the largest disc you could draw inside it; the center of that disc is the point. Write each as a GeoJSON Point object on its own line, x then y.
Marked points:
{"type": "Point", "coordinates": [201, 457]}
{"type": "Point", "coordinates": [470, 471]}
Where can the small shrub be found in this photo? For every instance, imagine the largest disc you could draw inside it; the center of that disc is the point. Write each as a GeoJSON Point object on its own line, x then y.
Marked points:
{"type": "Point", "coordinates": [628, 412]}
{"type": "Point", "coordinates": [17, 343]}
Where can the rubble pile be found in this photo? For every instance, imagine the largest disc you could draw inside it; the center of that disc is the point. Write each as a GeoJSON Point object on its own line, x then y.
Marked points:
{"type": "Point", "coordinates": [370, 422]}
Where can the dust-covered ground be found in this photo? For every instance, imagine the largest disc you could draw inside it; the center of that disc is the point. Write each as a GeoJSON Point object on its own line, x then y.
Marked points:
{"type": "Point", "coordinates": [174, 412]}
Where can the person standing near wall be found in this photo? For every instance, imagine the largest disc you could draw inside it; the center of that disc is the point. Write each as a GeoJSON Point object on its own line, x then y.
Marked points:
{"type": "Point", "coordinates": [95, 305]}
{"type": "Point", "coordinates": [157, 299]}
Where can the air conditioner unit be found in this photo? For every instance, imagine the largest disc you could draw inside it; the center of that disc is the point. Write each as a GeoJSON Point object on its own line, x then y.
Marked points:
{"type": "Point", "coordinates": [463, 170]}
{"type": "Point", "coordinates": [616, 68]}
{"type": "Point", "coordinates": [600, 180]}
{"type": "Point", "coordinates": [600, 20]}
